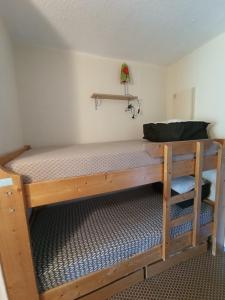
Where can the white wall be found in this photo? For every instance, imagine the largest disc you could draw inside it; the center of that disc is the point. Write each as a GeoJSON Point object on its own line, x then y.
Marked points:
{"type": "Point", "coordinates": [55, 88]}
{"type": "Point", "coordinates": [205, 70]}
{"type": "Point", "coordinates": [10, 126]}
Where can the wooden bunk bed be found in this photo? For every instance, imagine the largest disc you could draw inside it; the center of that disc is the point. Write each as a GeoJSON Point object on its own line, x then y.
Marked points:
{"type": "Point", "coordinates": [16, 197]}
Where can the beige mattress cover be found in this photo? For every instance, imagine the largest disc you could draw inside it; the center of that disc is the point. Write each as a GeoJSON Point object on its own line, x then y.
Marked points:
{"type": "Point", "coordinates": [48, 163]}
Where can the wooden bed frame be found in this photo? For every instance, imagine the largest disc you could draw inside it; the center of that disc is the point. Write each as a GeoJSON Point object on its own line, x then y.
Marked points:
{"type": "Point", "coordinates": [16, 197]}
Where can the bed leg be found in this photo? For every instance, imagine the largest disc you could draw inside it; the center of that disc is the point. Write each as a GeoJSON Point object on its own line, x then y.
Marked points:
{"type": "Point", "coordinates": [15, 249]}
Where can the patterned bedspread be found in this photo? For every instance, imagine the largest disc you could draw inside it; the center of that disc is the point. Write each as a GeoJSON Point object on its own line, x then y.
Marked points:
{"type": "Point", "coordinates": [48, 163]}
{"type": "Point", "coordinates": [70, 241]}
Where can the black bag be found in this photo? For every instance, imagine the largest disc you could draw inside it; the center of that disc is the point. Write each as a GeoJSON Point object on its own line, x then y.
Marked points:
{"type": "Point", "coordinates": [177, 131]}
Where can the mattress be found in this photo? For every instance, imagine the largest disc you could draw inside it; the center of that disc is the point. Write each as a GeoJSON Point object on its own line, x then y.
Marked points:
{"type": "Point", "coordinates": [70, 241]}
{"type": "Point", "coordinates": [48, 163]}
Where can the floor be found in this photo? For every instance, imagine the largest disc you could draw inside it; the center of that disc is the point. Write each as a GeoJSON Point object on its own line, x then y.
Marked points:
{"type": "Point", "coordinates": [201, 278]}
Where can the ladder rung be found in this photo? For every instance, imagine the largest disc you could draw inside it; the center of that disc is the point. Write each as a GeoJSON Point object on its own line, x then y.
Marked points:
{"type": "Point", "coordinates": [181, 220]}
{"type": "Point", "coordinates": [182, 197]}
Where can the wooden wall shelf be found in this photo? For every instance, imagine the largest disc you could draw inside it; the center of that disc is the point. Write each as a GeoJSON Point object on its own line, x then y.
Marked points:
{"type": "Point", "coordinates": [113, 97]}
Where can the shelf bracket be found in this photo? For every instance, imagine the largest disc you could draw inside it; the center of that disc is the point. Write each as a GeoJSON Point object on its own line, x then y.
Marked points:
{"type": "Point", "coordinates": [98, 102]}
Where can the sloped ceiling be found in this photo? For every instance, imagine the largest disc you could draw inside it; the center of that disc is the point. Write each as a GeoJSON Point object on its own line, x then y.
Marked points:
{"type": "Point", "coordinates": [156, 31]}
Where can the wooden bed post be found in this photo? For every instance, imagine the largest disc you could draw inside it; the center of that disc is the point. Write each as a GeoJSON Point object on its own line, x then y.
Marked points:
{"type": "Point", "coordinates": [198, 193]}
{"type": "Point", "coordinates": [167, 175]}
{"type": "Point", "coordinates": [15, 250]}
{"type": "Point", "coordinates": [219, 208]}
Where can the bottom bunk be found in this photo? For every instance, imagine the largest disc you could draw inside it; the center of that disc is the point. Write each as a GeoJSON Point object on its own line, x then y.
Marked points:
{"type": "Point", "coordinates": [73, 240]}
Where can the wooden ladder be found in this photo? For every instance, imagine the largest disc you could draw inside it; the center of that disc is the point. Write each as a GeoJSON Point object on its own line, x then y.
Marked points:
{"type": "Point", "coordinates": [219, 207]}
{"type": "Point", "coordinates": [168, 201]}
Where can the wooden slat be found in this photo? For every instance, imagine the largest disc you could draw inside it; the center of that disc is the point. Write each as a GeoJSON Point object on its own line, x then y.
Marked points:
{"type": "Point", "coordinates": [181, 220]}
{"type": "Point", "coordinates": [167, 176]}
{"type": "Point", "coordinates": [162, 266]}
{"type": "Point", "coordinates": [206, 231]}
{"type": "Point", "coordinates": [185, 240]}
{"type": "Point", "coordinates": [219, 208]}
{"type": "Point", "coordinates": [93, 281]}
{"type": "Point", "coordinates": [188, 147]}
{"type": "Point", "coordinates": [181, 242]}
{"type": "Point", "coordinates": [182, 197]}
{"type": "Point", "coordinates": [187, 167]}
{"type": "Point", "coordinates": [209, 163]}
{"type": "Point", "coordinates": [4, 159]}
{"type": "Point", "coordinates": [15, 248]}
{"type": "Point", "coordinates": [184, 147]}
{"type": "Point", "coordinates": [198, 192]}
{"type": "Point", "coordinates": [210, 202]}
{"type": "Point", "coordinates": [179, 147]}
{"type": "Point", "coordinates": [115, 287]}
{"type": "Point", "coordinates": [54, 191]}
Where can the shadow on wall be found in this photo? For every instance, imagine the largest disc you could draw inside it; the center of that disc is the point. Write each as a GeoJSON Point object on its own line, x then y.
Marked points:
{"type": "Point", "coordinates": [46, 78]}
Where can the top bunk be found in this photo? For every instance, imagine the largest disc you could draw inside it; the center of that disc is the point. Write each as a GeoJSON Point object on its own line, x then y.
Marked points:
{"type": "Point", "coordinates": [55, 174]}
{"type": "Point", "coordinates": [50, 163]}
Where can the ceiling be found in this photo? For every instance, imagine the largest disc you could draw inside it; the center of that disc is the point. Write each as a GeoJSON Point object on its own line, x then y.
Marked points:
{"type": "Point", "coordinates": [156, 31]}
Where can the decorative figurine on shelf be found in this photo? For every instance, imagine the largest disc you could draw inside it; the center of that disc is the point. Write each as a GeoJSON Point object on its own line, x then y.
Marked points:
{"type": "Point", "coordinates": [125, 77]}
